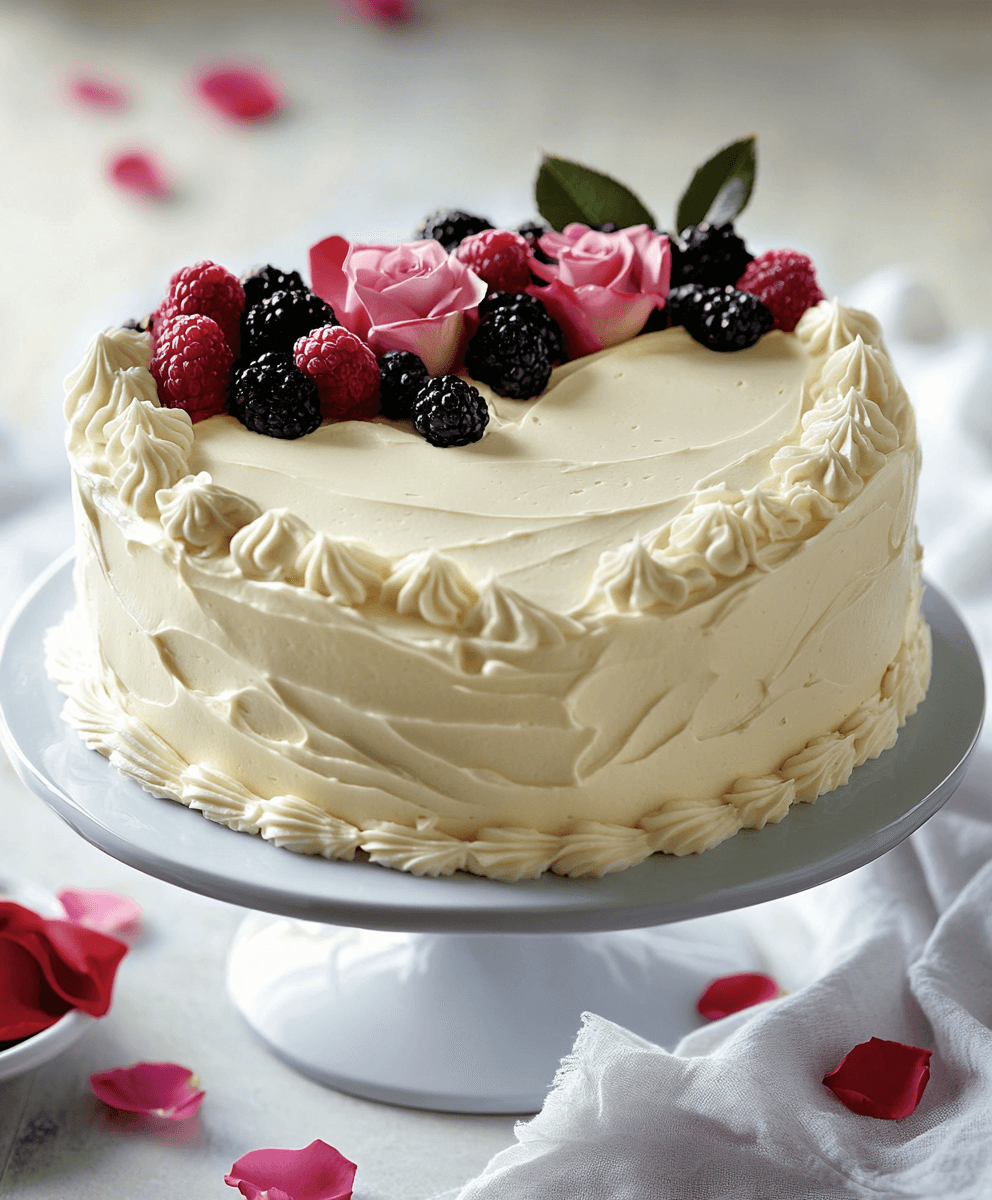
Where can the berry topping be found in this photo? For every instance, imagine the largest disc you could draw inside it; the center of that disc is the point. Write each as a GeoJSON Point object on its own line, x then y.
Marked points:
{"type": "Point", "coordinates": [680, 300]}
{"type": "Point", "coordinates": [449, 412]}
{"type": "Point", "coordinates": [722, 318]}
{"type": "Point", "coordinates": [449, 226]}
{"type": "Point", "coordinates": [263, 281]}
{"type": "Point", "coordinates": [785, 282]}
{"type": "Point", "coordinates": [282, 318]}
{"type": "Point", "coordinates": [530, 310]}
{"type": "Point", "coordinates": [511, 356]}
{"type": "Point", "coordinates": [499, 257]}
{"type": "Point", "coordinates": [708, 255]}
{"type": "Point", "coordinates": [192, 365]}
{"type": "Point", "coordinates": [344, 370]}
{"type": "Point", "coordinates": [532, 232]}
{"type": "Point", "coordinates": [208, 290]}
{"type": "Point", "coordinates": [401, 376]}
{"type": "Point", "coordinates": [274, 397]}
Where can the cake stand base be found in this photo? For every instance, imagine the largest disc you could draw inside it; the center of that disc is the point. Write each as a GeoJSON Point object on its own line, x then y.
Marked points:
{"type": "Point", "coordinates": [471, 1023]}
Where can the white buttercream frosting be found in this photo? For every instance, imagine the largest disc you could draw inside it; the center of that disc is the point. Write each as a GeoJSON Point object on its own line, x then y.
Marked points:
{"type": "Point", "coordinates": [614, 627]}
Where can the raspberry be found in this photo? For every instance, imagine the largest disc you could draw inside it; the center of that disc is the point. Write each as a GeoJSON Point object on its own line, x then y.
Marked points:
{"type": "Point", "coordinates": [785, 282]}
{"type": "Point", "coordinates": [448, 226]}
{"type": "Point", "coordinates": [449, 412]}
{"type": "Point", "coordinates": [725, 319]}
{"type": "Point", "coordinates": [532, 311]}
{"type": "Point", "coordinates": [282, 318]}
{"type": "Point", "coordinates": [274, 397]}
{"type": "Point", "coordinates": [207, 290]}
{"type": "Point", "coordinates": [192, 365]}
{"type": "Point", "coordinates": [263, 281]}
{"type": "Point", "coordinates": [499, 257]}
{"type": "Point", "coordinates": [401, 376]}
{"type": "Point", "coordinates": [708, 255]}
{"type": "Point", "coordinates": [344, 370]}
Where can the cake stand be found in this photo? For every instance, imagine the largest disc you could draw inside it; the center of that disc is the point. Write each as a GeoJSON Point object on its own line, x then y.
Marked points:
{"type": "Point", "coordinates": [462, 993]}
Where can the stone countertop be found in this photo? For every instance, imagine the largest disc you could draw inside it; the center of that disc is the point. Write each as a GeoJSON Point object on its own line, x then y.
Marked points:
{"type": "Point", "coordinates": [873, 130]}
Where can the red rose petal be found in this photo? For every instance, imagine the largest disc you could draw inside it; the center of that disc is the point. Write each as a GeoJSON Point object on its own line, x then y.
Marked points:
{"type": "Point", "coordinates": [317, 1172]}
{"type": "Point", "coordinates": [731, 993]}
{"type": "Point", "coordinates": [156, 1089]}
{"type": "Point", "coordinates": [382, 12]}
{"type": "Point", "coordinates": [50, 967]}
{"type": "Point", "coordinates": [106, 912]}
{"type": "Point", "coordinates": [139, 173]}
{"type": "Point", "coordinates": [881, 1079]}
{"type": "Point", "coordinates": [240, 93]}
{"type": "Point", "coordinates": [99, 93]}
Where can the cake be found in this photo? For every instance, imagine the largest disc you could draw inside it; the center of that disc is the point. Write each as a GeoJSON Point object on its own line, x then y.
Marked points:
{"type": "Point", "coordinates": [658, 603]}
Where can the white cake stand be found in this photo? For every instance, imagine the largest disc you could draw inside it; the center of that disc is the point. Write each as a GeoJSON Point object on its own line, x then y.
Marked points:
{"type": "Point", "coordinates": [424, 992]}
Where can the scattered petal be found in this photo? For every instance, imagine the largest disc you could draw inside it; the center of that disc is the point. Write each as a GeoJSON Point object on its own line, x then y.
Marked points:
{"type": "Point", "coordinates": [241, 93]}
{"type": "Point", "coordinates": [155, 1089]}
{"type": "Point", "coordinates": [317, 1172]}
{"type": "Point", "coordinates": [99, 93]}
{"type": "Point", "coordinates": [139, 173]}
{"type": "Point", "coordinates": [50, 967]}
{"type": "Point", "coordinates": [731, 993]}
{"type": "Point", "coordinates": [881, 1079]}
{"type": "Point", "coordinates": [106, 912]}
{"type": "Point", "coordinates": [382, 12]}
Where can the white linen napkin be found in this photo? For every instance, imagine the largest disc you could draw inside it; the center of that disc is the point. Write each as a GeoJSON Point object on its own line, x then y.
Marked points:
{"type": "Point", "coordinates": [900, 949]}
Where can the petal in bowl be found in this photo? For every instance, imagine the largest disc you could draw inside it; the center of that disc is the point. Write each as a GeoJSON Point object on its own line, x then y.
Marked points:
{"type": "Point", "coordinates": [106, 912]}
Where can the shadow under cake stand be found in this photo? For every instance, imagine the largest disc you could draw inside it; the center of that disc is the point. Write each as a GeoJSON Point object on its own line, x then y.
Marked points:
{"type": "Point", "coordinates": [462, 993]}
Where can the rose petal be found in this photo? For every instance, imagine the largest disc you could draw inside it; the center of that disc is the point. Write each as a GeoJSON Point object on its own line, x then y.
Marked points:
{"type": "Point", "coordinates": [99, 93]}
{"type": "Point", "coordinates": [139, 173]}
{"type": "Point", "coordinates": [155, 1089]}
{"type": "Point", "coordinates": [49, 967]}
{"type": "Point", "coordinates": [732, 993]}
{"type": "Point", "coordinates": [881, 1079]}
{"type": "Point", "coordinates": [241, 93]}
{"type": "Point", "coordinates": [381, 12]}
{"type": "Point", "coordinates": [106, 912]}
{"type": "Point", "coordinates": [317, 1172]}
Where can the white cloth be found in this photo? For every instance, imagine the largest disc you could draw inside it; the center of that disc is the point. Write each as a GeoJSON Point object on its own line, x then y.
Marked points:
{"type": "Point", "coordinates": [901, 949]}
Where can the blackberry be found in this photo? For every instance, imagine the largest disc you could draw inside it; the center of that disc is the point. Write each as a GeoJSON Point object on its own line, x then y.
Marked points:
{"type": "Point", "coordinates": [658, 320]}
{"type": "Point", "coordinates": [708, 255]}
{"type": "Point", "coordinates": [263, 281]}
{"type": "Point", "coordinates": [449, 412]}
{"type": "Point", "coordinates": [276, 323]}
{"type": "Point", "coordinates": [532, 232]}
{"type": "Point", "coordinates": [272, 396]}
{"type": "Point", "coordinates": [532, 312]}
{"type": "Point", "coordinates": [511, 356]}
{"type": "Point", "coordinates": [681, 300]}
{"type": "Point", "coordinates": [449, 226]}
{"type": "Point", "coordinates": [401, 376]}
{"type": "Point", "coordinates": [724, 319]}
{"type": "Point", "coordinates": [608, 227]}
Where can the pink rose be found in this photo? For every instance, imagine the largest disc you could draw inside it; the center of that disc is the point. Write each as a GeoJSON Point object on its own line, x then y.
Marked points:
{"type": "Point", "coordinates": [604, 285]}
{"type": "Point", "coordinates": [409, 297]}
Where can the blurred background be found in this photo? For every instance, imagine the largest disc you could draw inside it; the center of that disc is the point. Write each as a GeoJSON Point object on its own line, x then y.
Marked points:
{"type": "Point", "coordinates": [873, 152]}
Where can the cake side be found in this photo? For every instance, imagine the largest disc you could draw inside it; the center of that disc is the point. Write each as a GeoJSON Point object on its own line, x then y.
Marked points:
{"type": "Point", "coordinates": [742, 644]}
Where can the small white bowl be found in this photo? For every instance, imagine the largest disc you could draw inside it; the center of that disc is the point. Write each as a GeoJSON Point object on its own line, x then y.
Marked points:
{"type": "Point", "coordinates": [49, 1043]}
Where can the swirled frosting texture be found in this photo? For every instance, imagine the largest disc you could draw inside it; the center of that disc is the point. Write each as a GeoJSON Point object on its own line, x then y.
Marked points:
{"type": "Point", "coordinates": [620, 624]}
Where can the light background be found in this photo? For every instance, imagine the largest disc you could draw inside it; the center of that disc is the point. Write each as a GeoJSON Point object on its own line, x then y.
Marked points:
{"type": "Point", "coordinates": [873, 134]}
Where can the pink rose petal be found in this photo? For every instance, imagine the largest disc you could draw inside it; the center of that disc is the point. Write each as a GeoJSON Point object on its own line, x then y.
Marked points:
{"type": "Point", "coordinates": [139, 173]}
{"type": "Point", "coordinates": [382, 12]}
{"type": "Point", "coordinates": [241, 93]}
{"type": "Point", "coordinates": [317, 1172]}
{"type": "Point", "coordinates": [106, 912]}
{"type": "Point", "coordinates": [732, 993]}
{"type": "Point", "coordinates": [156, 1089]}
{"type": "Point", "coordinates": [99, 93]}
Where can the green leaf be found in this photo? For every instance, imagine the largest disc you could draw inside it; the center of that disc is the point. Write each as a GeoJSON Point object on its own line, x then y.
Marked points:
{"type": "Point", "coordinates": [567, 191]}
{"type": "Point", "coordinates": [721, 188]}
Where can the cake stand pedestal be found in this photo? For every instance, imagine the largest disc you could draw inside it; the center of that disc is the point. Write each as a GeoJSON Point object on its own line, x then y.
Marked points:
{"type": "Point", "coordinates": [462, 993]}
